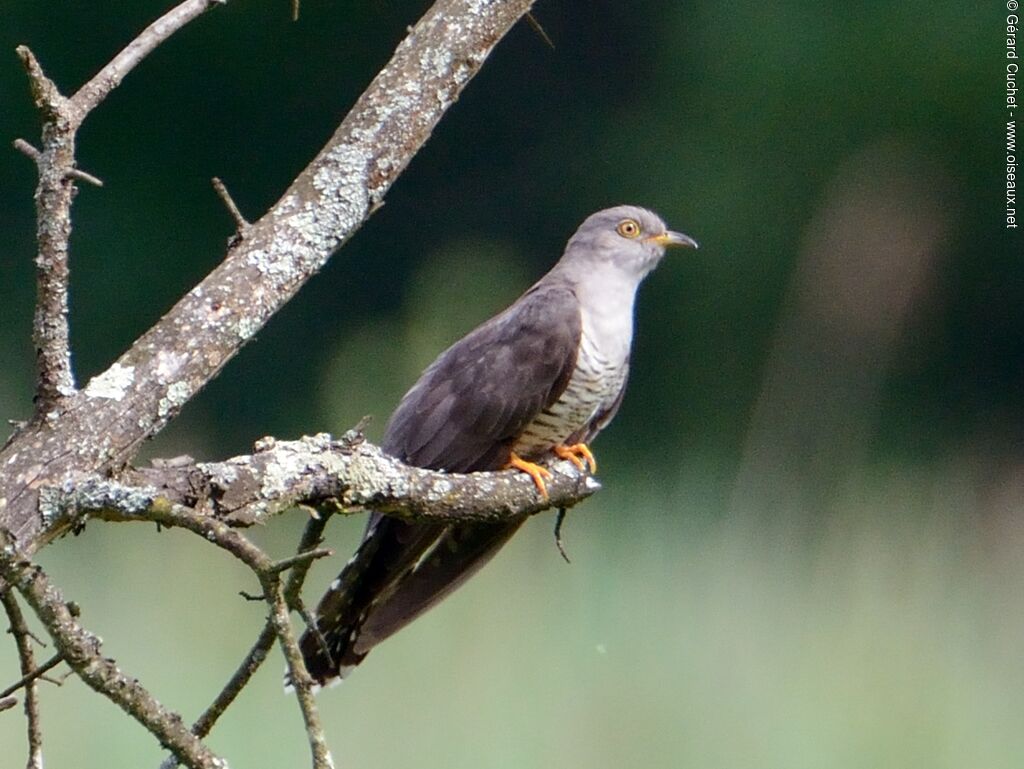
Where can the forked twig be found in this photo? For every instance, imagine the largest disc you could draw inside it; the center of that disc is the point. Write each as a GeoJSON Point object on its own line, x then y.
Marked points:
{"type": "Point", "coordinates": [23, 640]}
{"type": "Point", "coordinates": [311, 537]}
{"type": "Point", "coordinates": [38, 673]}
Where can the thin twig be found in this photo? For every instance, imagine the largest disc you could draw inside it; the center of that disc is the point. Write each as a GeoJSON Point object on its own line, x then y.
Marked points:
{"type": "Point", "coordinates": [241, 223]}
{"type": "Point", "coordinates": [82, 650]}
{"type": "Point", "coordinates": [39, 672]}
{"type": "Point", "coordinates": [7, 703]}
{"type": "Point", "coordinates": [108, 78]}
{"type": "Point", "coordinates": [27, 149]}
{"type": "Point", "coordinates": [310, 555]}
{"type": "Point", "coordinates": [209, 528]}
{"type": "Point", "coordinates": [297, 673]}
{"type": "Point", "coordinates": [242, 675]}
{"type": "Point", "coordinates": [295, 10]}
{"type": "Point", "coordinates": [23, 640]}
{"type": "Point", "coordinates": [85, 176]}
{"type": "Point", "coordinates": [311, 537]}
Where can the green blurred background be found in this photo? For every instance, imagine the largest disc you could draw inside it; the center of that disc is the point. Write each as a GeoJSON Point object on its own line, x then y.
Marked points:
{"type": "Point", "coordinates": [808, 551]}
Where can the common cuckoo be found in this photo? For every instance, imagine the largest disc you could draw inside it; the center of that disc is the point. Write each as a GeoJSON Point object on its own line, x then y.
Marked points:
{"type": "Point", "coordinates": [543, 377]}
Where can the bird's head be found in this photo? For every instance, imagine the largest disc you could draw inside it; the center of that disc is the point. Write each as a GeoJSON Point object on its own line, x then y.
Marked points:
{"type": "Point", "coordinates": [629, 238]}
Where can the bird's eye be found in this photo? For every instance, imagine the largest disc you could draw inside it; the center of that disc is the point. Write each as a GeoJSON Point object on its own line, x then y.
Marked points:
{"type": "Point", "coordinates": [628, 228]}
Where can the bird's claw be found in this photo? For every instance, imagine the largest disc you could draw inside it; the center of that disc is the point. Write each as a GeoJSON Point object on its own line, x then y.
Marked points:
{"type": "Point", "coordinates": [538, 473]}
{"type": "Point", "coordinates": [573, 454]}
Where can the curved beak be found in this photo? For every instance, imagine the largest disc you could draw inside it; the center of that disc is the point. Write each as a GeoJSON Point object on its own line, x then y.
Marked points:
{"type": "Point", "coordinates": [671, 238]}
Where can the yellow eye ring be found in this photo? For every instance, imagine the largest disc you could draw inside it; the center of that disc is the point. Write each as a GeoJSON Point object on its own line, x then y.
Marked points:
{"type": "Point", "coordinates": [628, 228]}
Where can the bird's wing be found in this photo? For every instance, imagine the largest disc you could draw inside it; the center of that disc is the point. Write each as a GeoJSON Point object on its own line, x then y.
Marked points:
{"type": "Point", "coordinates": [472, 403]}
{"type": "Point", "coordinates": [462, 415]}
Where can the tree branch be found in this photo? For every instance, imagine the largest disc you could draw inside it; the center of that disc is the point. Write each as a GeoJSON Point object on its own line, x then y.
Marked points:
{"type": "Point", "coordinates": [29, 151]}
{"type": "Point", "coordinates": [36, 674]}
{"type": "Point", "coordinates": [82, 651]}
{"type": "Point", "coordinates": [210, 497]}
{"type": "Point", "coordinates": [101, 426]}
{"type": "Point", "coordinates": [55, 192]}
{"type": "Point", "coordinates": [108, 78]}
{"type": "Point", "coordinates": [258, 653]}
{"type": "Point", "coordinates": [300, 679]}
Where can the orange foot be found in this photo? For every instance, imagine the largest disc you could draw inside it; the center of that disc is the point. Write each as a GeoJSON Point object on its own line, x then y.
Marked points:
{"type": "Point", "coordinates": [535, 471]}
{"type": "Point", "coordinates": [573, 454]}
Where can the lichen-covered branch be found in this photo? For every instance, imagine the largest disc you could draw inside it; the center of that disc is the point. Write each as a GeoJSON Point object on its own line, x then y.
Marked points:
{"type": "Point", "coordinates": [101, 426]}
{"type": "Point", "coordinates": [248, 489]}
{"type": "Point", "coordinates": [55, 191]}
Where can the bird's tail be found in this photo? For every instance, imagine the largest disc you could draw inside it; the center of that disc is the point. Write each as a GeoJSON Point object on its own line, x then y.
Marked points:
{"type": "Point", "coordinates": [389, 549]}
{"type": "Point", "coordinates": [399, 571]}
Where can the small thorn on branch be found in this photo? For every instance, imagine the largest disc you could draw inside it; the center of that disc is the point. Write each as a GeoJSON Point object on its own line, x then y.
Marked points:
{"type": "Point", "coordinates": [27, 149]}
{"type": "Point", "coordinates": [241, 223]}
{"type": "Point", "coordinates": [85, 176]}
{"type": "Point", "coordinates": [75, 173]}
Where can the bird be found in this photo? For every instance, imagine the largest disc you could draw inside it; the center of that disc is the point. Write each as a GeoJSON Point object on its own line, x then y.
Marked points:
{"type": "Point", "coordinates": [541, 379]}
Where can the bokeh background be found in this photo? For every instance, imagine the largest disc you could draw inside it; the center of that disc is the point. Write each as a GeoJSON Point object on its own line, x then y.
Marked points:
{"type": "Point", "coordinates": [809, 549]}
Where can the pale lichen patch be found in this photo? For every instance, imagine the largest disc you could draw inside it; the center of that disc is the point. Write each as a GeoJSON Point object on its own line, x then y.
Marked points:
{"type": "Point", "coordinates": [366, 478]}
{"type": "Point", "coordinates": [257, 258]}
{"type": "Point", "coordinates": [438, 491]}
{"type": "Point", "coordinates": [168, 364]}
{"type": "Point", "coordinates": [176, 397]}
{"type": "Point", "coordinates": [247, 326]}
{"type": "Point", "coordinates": [276, 479]}
{"type": "Point", "coordinates": [112, 383]}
